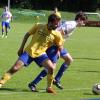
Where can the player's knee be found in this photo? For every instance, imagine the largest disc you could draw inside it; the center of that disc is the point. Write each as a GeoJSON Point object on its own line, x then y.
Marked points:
{"type": "Point", "coordinates": [17, 66]}
{"type": "Point", "coordinates": [69, 61]}
{"type": "Point", "coordinates": [51, 69]}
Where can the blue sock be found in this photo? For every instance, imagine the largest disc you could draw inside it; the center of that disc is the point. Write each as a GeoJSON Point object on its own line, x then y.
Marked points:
{"type": "Point", "coordinates": [42, 74]}
{"type": "Point", "coordinates": [61, 71]}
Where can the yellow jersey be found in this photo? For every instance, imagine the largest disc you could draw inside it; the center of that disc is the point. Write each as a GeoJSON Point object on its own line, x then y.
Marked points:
{"type": "Point", "coordinates": [42, 38]}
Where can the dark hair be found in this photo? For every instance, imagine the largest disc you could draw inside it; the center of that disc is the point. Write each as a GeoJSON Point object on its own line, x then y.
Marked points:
{"type": "Point", "coordinates": [81, 16]}
{"type": "Point", "coordinates": [53, 17]}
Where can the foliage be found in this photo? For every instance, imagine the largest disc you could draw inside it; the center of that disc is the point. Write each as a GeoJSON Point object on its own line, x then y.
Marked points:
{"type": "Point", "coordinates": [67, 5]}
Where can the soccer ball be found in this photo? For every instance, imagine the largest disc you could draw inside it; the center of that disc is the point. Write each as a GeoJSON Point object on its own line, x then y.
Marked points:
{"type": "Point", "coordinates": [96, 89]}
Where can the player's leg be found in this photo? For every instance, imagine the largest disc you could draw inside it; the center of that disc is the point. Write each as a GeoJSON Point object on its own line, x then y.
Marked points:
{"type": "Point", "coordinates": [6, 28]}
{"type": "Point", "coordinates": [3, 28]}
{"type": "Point", "coordinates": [22, 60]}
{"type": "Point", "coordinates": [18, 64]}
{"type": "Point", "coordinates": [43, 60]}
{"type": "Point", "coordinates": [41, 75]}
{"type": "Point", "coordinates": [32, 85]}
{"type": "Point", "coordinates": [53, 56]}
{"type": "Point", "coordinates": [9, 27]}
{"type": "Point", "coordinates": [50, 76]}
{"type": "Point", "coordinates": [68, 60]}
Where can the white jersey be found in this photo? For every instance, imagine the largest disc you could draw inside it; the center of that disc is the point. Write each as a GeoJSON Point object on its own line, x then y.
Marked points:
{"type": "Point", "coordinates": [67, 27]}
{"type": "Point", "coordinates": [6, 16]}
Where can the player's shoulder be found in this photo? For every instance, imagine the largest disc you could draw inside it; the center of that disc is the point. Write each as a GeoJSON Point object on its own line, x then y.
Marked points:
{"type": "Point", "coordinates": [39, 24]}
{"type": "Point", "coordinates": [70, 23]}
{"type": "Point", "coordinates": [56, 33]}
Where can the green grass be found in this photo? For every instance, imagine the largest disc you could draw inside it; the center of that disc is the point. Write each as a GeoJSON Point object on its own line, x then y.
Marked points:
{"type": "Point", "coordinates": [83, 45]}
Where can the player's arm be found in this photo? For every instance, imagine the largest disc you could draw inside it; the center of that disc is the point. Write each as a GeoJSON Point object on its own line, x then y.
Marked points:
{"type": "Point", "coordinates": [11, 17]}
{"type": "Point", "coordinates": [20, 51]}
{"type": "Point", "coordinates": [59, 41]}
{"type": "Point", "coordinates": [29, 33]}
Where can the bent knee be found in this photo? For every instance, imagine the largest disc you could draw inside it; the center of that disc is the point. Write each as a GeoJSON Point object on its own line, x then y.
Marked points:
{"type": "Point", "coordinates": [51, 70]}
{"type": "Point", "coordinates": [69, 61]}
{"type": "Point", "coordinates": [18, 65]}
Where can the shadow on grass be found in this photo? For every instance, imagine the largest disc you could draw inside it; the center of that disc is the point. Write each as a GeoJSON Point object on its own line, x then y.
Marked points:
{"type": "Point", "coordinates": [14, 90]}
{"type": "Point", "coordinates": [86, 58]}
{"type": "Point", "coordinates": [85, 71]}
{"type": "Point", "coordinates": [88, 94]}
{"type": "Point", "coordinates": [88, 71]}
{"type": "Point", "coordinates": [91, 99]}
{"type": "Point", "coordinates": [21, 90]}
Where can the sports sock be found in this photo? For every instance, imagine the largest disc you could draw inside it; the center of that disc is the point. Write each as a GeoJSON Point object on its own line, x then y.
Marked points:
{"type": "Point", "coordinates": [60, 72]}
{"type": "Point", "coordinates": [5, 78]}
{"type": "Point", "coordinates": [42, 74]}
{"type": "Point", "coordinates": [50, 78]}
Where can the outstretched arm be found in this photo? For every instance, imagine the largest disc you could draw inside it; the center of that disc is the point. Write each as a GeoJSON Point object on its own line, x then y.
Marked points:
{"type": "Point", "coordinates": [20, 51]}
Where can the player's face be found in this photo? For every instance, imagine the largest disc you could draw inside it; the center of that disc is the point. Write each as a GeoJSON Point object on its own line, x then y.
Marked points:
{"type": "Point", "coordinates": [81, 22]}
{"type": "Point", "coordinates": [6, 8]}
{"type": "Point", "coordinates": [53, 25]}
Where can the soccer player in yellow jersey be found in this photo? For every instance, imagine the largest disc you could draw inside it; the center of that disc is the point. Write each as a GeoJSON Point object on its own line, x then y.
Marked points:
{"type": "Point", "coordinates": [66, 28]}
{"type": "Point", "coordinates": [43, 36]}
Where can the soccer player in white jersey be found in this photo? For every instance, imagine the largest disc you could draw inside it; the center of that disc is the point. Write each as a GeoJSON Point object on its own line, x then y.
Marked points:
{"type": "Point", "coordinates": [66, 28]}
{"type": "Point", "coordinates": [6, 18]}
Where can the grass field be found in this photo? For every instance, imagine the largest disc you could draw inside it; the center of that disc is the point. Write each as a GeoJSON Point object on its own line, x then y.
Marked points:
{"type": "Point", "coordinates": [84, 46]}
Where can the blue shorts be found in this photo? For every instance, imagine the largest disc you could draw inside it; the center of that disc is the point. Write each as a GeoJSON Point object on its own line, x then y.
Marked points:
{"type": "Point", "coordinates": [53, 55]}
{"type": "Point", "coordinates": [27, 59]}
{"type": "Point", "coordinates": [6, 24]}
{"type": "Point", "coordinates": [63, 53]}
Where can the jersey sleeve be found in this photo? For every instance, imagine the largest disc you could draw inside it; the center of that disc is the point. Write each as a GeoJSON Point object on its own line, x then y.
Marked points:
{"type": "Point", "coordinates": [59, 39]}
{"type": "Point", "coordinates": [33, 29]}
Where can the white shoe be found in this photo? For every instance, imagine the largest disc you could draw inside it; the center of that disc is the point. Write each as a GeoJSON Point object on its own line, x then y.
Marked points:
{"type": "Point", "coordinates": [2, 35]}
{"type": "Point", "coordinates": [6, 36]}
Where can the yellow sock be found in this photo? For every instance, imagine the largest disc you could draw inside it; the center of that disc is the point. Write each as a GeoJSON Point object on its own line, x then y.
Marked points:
{"type": "Point", "coordinates": [50, 78]}
{"type": "Point", "coordinates": [5, 78]}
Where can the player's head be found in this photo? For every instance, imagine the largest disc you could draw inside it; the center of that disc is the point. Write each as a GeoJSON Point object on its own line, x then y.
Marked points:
{"type": "Point", "coordinates": [81, 18]}
{"type": "Point", "coordinates": [57, 12]}
{"type": "Point", "coordinates": [53, 21]}
{"type": "Point", "coordinates": [6, 8]}
{"type": "Point", "coordinates": [80, 15]}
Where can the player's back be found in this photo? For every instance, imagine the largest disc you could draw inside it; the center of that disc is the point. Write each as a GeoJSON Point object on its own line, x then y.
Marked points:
{"type": "Point", "coordinates": [68, 27]}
